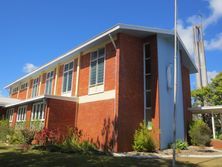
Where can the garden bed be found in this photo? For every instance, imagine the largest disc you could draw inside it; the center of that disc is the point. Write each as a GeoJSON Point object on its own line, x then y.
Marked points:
{"type": "Point", "coordinates": [217, 144]}
{"type": "Point", "coordinates": [192, 151]}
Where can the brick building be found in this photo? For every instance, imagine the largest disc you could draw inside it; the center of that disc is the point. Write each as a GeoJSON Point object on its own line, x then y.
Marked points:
{"type": "Point", "coordinates": [106, 87]}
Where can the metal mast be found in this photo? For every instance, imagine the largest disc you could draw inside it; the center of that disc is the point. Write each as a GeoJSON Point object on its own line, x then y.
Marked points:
{"type": "Point", "coordinates": [175, 84]}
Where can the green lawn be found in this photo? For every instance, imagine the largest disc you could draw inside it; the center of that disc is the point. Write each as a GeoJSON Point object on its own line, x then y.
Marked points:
{"type": "Point", "coordinates": [12, 156]}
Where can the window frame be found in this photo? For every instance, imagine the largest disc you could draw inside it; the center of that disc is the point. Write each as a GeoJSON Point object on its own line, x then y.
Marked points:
{"type": "Point", "coordinates": [25, 87]}
{"type": "Point", "coordinates": [145, 74]}
{"type": "Point", "coordinates": [97, 87]}
{"type": "Point", "coordinates": [67, 93]}
{"type": "Point", "coordinates": [19, 114]}
{"type": "Point", "coordinates": [10, 114]}
{"type": "Point", "coordinates": [43, 112]}
{"type": "Point", "coordinates": [15, 90]}
{"type": "Point", "coordinates": [48, 80]}
{"type": "Point", "coordinates": [37, 87]}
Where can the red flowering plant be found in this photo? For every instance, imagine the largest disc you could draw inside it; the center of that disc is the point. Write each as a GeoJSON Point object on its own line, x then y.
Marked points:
{"type": "Point", "coordinates": [46, 136]}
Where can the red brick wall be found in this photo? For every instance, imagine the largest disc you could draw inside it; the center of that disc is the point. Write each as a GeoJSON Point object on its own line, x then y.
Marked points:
{"type": "Point", "coordinates": [131, 97]}
{"type": "Point", "coordinates": [84, 74]}
{"type": "Point", "coordinates": [22, 94]}
{"type": "Point", "coordinates": [43, 83]}
{"type": "Point", "coordinates": [59, 80]}
{"type": "Point", "coordinates": [28, 115]}
{"type": "Point", "coordinates": [186, 97]}
{"type": "Point", "coordinates": [61, 114]}
{"type": "Point", "coordinates": [14, 95]}
{"type": "Point", "coordinates": [30, 88]}
{"type": "Point", "coordinates": [96, 121]}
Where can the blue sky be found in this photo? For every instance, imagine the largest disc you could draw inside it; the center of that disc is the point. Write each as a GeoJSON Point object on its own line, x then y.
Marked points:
{"type": "Point", "coordinates": [35, 32]}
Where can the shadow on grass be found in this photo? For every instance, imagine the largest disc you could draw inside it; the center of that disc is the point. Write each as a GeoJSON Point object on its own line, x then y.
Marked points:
{"type": "Point", "coordinates": [37, 158]}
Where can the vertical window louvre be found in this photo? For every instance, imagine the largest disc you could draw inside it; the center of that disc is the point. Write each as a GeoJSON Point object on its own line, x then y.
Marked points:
{"type": "Point", "coordinates": [97, 67]}
{"type": "Point", "coordinates": [38, 111]}
{"type": "Point", "coordinates": [67, 77]}
{"type": "Point", "coordinates": [49, 79]}
{"type": "Point", "coordinates": [35, 87]}
{"type": "Point", "coordinates": [9, 114]}
{"type": "Point", "coordinates": [147, 85]}
{"type": "Point", "coordinates": [21, 116]}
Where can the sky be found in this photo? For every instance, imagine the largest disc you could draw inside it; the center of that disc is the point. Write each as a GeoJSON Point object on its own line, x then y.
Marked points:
{"type": "Point", "coordinates": [33, 32]}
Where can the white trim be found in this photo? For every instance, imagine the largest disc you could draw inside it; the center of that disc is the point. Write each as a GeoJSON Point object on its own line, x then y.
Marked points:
{"type": "Point", "coordinates": [107, 95]}
{"type": "Point", "coordinates": [25, 108]}
{"type": "Point", "coordinates": [67, 93]}
{"type": "Point", "coordinates": [77, 75]}
{"type": "Point", "coordinates": [87, 43]}
{"type": "Point", "coordinates": [74, 99]}
{"type": "Point", "coordinates": [50, 79]}
{"type": "Point", "coordinates": [98, 87]}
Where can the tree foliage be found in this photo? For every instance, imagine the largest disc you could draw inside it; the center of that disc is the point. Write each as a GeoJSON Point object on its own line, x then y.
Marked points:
{"type": "Point", "coordinates": [209, 95]}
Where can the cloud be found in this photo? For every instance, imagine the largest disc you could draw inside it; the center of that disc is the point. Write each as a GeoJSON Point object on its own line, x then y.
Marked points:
{"type": "Point", "coordinates": [216, 12]}
{"type": "Point", "coordinates": [211, 75]}
{"type": "Point", "coordinates": [215, 43]}
{"type": "Point", "coordinates": [186, 32]}
{"type": "Point", "coordinates": [1, 93]}
{"type": "Point", "coordinates": [28, 67]}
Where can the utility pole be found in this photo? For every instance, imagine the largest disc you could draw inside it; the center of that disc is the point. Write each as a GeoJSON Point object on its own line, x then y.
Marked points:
{"type": "Point", "coordinates": [175, 84]}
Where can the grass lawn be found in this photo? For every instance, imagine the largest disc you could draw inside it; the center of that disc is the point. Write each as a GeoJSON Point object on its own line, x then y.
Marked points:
{"type": "Point", "coordinates": [13, 156]}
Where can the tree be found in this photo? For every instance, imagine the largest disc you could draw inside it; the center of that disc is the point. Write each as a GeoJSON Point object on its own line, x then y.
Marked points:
{"type": "Point", "coordinates": [209, 95]}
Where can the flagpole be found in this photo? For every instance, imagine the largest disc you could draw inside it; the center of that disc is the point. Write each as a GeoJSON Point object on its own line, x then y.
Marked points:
{"type": "Point", "coordinates": [175, 83]}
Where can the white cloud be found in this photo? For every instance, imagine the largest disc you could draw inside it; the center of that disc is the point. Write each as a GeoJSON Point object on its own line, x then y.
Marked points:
{"type": "Point", "coordinates": [216, 12]}
{"type": "Point", "coordinates": [186, 32]}
{"type": "Point", "coordinates": [28, 67]}
{"type": "Point", "coordinates": [211, 75]}
{"type": "Point", "coordinates": [215, 43]}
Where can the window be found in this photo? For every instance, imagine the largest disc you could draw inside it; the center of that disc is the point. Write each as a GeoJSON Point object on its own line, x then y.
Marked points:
{"type": "Point", "coordinates": [67, 78]}
{"type": "Point", "coordinates": [9, 114]}
{"type": "Point", "coordinates": [148, 86]}
{"type": "Point", "coordinates": [38, 112]}
{"type": "Point", "coordinates": [21, 116]}
{"type": "Point", "coordinates": [97, 67]}
{"type": "Point", "coordinates": [35, 87]}
{"type": "Point", "coordinates": [15, 90]}
{"type": "Point", "coordinates": [24, 86]}
{"type": "Point", "coordinates": [49, 79]}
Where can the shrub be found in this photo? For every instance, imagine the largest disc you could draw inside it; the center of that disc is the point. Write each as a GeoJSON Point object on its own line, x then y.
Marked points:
{"type": "Point", "coordinates": [181, 145]}
{"type": "Point", "coordinates": [72, 141]}
{"type": "Point", "coordinates": [200, 133]}
{"type": "Point", "coordinates": [87, 147]}
{"type": "Point", "coordinates": [28, 135]}
{"type": "Point", "coordinates": [143, 140]}
{"type": "Point", "coordinates": [15, 137]}
{"type": "Point", "coordinates": [47, 137]}
{"type": "Point", "coordinates": [5, 131]}
{"type": "Point", "coordinates": [220, 137]}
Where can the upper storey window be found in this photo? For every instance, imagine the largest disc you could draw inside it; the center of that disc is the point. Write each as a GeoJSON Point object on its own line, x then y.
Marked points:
{"type": "Point", "coordinates": [97, 71]}
{"type": "Point", "coordinates": [35, 87]}
{"type": "Point", "coordinates": [24, 86]}
{"type": "Point", "coordinates": [15, 90]}
{"type": "Point", "coordinates": [67, 78]}
{"type": "Point", "coordinates": [49, 79]}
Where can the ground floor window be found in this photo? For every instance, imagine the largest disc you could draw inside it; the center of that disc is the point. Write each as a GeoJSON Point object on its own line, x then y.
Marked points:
{"type": "Point", "coordinates": [38, 112]}
{"type": "Point", "coordinates": [9, 114]}
{"type": "Point", "coordinates": [21, 115]}
{"type": "Point", "coordinates": [147, 85]}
